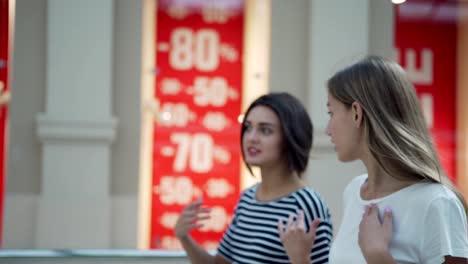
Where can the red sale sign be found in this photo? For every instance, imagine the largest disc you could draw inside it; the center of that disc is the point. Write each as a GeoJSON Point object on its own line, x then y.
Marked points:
{"type": "Point", "coordinates": [196, 140]}
{"type": "Point", "coordinates": [3, 97]}
{"type": "Point", "coordinates": [426, 48]}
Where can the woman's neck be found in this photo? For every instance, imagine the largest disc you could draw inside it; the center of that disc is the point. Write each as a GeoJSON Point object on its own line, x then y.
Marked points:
{"type": "Point", "coordinates": [277, 182]}
{"type": "Point", "coordinates": [379, 183]}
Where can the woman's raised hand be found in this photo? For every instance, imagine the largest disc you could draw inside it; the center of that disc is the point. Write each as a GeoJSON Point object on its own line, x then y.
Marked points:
{"type": "Point", "coordinates": [190, 218]}
{"type": "Point", "coordinates": [296, 241]}
{"type": "Point", "coordinates": [375, 235]}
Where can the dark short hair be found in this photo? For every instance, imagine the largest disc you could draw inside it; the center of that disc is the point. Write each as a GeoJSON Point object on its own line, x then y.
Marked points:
{"type": "Point", "coordinates": [296, 126]}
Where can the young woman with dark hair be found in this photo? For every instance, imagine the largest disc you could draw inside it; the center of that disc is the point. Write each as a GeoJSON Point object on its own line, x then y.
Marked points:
{"type": "Point", "coordinates": [276, 136]}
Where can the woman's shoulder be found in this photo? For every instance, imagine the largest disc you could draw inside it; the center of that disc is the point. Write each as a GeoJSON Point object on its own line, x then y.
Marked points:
{"type": "Point", "coordinates": [432, 191]}
{"type": "Point", "coordinates": [309, 196]}
{"type": "Point", "coordinates": [310, 192]}
{"type": "Point", "coordinates": [250, 191]}
{"type": "Point", "coordinates": [432, 196]}
{"type": "Point", "coordinates": [314, 206]}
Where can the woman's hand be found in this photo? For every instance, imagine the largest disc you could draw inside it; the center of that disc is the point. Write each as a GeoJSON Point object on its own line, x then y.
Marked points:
{"type": "Point", "coordinates": [190, 217]}
{"type": "Point", "coordinates": [296, 241]}
{"type": "Point", "coordinates": [375, 235]}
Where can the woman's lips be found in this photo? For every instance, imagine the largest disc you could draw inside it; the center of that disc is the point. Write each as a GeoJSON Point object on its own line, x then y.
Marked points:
{"type": "Point", "coordinates": [251, 151]}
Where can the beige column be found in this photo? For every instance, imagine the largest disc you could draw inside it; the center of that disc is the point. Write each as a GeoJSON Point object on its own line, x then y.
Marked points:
{"type": "Point", "coordinates": [77, 127]}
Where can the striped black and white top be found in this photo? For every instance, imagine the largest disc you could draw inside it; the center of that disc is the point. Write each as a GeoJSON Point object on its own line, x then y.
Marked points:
{"type": "Point", "coordinates": [253, 234]}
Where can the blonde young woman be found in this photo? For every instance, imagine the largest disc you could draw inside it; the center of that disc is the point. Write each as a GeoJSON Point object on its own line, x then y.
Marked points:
{"type": "Point", "coordinates": [403, 210]}
{"type": "Point", "coordinates": [276, 136]}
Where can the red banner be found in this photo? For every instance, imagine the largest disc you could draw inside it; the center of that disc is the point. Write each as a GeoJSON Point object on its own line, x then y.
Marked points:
{"type": "Point", "coordinates": [425, 39]}
{"type": "Point", "coordinates": [3, 98]}
{"type": "Point", "coordinates": [196, 149]}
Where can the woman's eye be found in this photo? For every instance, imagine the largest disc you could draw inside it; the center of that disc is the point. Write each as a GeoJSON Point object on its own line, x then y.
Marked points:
{"type": "Point", "coordinates": [266, 130]}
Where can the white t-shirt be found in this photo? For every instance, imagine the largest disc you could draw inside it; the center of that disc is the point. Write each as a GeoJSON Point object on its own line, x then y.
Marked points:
{"type": "Point", "coordinates": [429, 222]}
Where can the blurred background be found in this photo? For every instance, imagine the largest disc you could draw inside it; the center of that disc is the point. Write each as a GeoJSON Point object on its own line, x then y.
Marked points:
{"type": "Point", "coordinates": [117, 113]}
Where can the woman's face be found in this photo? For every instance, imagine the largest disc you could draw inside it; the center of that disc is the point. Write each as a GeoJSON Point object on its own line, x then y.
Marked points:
{"type": "Point", "coordinates": [342, 129]}
{"type": "Point", "coordinates": [262, 139]}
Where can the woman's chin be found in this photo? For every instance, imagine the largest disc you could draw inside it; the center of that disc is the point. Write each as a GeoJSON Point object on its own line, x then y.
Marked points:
{"type": "Point", "coordinates": [252, 162]}
{"type": "Point", "coordinates": [343, 158]}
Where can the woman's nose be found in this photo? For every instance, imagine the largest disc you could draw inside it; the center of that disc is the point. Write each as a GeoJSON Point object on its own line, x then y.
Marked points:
{"type": "Point", "coordinates": [252, 135]}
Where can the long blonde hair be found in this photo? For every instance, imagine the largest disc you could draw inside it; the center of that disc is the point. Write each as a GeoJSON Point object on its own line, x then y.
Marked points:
{"type": "Point", "coordinates": [395, 129]}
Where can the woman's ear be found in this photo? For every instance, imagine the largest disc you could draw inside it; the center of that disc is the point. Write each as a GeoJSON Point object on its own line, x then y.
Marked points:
{"type": "Point", "coordinates": [357, 113]}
